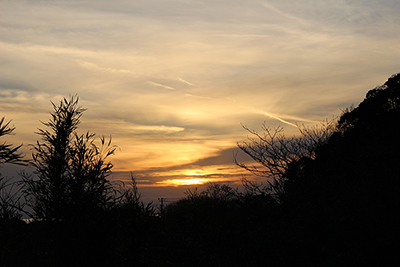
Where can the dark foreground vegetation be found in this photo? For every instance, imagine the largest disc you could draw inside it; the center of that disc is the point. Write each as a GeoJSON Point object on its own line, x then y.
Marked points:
{"type": "Point", "coordinates": [332, 198]}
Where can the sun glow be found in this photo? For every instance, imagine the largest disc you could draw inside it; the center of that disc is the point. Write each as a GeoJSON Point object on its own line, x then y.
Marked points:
{"type": "Point", "coordinates": [191, 181]}
{"type": "Point", "coordinates": [190, 177]}
{"type": "Point", "coordinates": [194, 173]}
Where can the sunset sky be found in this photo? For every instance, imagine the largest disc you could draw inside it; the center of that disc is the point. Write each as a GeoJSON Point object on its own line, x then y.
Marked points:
{"type": "Point", "coordinates": [172, 81]}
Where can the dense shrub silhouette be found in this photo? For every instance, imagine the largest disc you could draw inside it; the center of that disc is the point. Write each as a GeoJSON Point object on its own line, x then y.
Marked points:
{"type": "Point", "coordinates": [359, 175]}
{"type": "Point", "coordinates": [220, 227]}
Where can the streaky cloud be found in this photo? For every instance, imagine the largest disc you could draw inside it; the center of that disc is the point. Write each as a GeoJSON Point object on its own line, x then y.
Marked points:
{"type": "Point", "coordinates": [158, 128]}
{"type": "Point", "coordinates": [45, 48]}
{"type": "Point", "coordinates": [92, 66]}
{"type": "Point", "coordinates": [199, 96]}
{"type": "Point", "coordinates": [275, 117]}
{"type": "Point", "coordinates": [129, 128]}
{"type": "Point", "coordinates": [296, 118]}
{"type": "Point", "coordinates": [184, 81]}
{"type": "Point", "coordinates": [161, 85]}
{"type": "Point", "coordinates": [284, 14]}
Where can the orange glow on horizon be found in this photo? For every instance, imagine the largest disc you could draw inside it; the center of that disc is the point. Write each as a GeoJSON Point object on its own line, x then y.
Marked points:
{"type": "Point", "coordinates": [190, 181]}
{"type": "Point", "coordinates": [189, 177]}
{"type": "Point", "coordinates": [212, 174]}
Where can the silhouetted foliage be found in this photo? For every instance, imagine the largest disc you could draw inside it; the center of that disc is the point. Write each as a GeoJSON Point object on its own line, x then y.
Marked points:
{"type": "Point", "coordinates": [275, 153]}
{"type": "Point", "coordinates": [10, 206]}
{"type": "Point", "coordinates": [11, 227]}
{"type": "Point", "coordinates": [8, 153]}
{"type": "Point", "coordinates": [356, 174]}
{"type": "Point", "coordinates": [128, 207]}
{"type": "Point", "coordinates": [71, 169]}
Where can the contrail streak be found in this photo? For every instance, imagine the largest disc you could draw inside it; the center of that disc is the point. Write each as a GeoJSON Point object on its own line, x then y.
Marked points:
{"type": "Point", "coordinates": [161, 85]}
{"type": "Point", "coordinates": [184, 81]}
{"type": "Point", "coordinates": [275, 117]}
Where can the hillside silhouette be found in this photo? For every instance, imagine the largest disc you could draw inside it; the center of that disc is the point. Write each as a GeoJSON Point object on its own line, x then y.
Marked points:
{"type": "Point", "coordinates": [331, 197]}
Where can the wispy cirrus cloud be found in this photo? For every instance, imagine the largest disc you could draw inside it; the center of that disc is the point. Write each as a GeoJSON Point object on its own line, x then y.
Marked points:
{"type": "Point", "coordinates": [95, 67]}
{"type": "Point", "coordinates": [275, 117]}
{"type": "Point", "coordinates": [285, 118]}
{"type": "Point", "coordinates": [184, 81]}
{"type": "Point", "coordinates": [160, 85]}
{"type": "Point", "coordinates": [284, 14]}
{"type": "Point", "coordinates": [32, 47]}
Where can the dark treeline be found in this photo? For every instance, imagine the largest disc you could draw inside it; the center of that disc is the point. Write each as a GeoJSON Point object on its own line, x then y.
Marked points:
{"type": "Point", "coordinates": [331, 197]}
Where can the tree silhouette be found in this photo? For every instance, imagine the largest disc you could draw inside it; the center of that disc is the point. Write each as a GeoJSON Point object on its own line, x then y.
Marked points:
{"type": "Point", "coordinates": [71, 169]}
{"type": "Point", "coordinates": [352, 185]}
{"type": "Point", "coordinates": [275, 153]}
{"type": "Point", "coordinates": [10, 206]}
{"type": "Point", "coordinates": [8, 153]}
